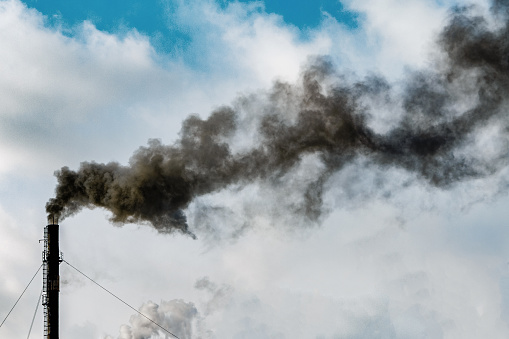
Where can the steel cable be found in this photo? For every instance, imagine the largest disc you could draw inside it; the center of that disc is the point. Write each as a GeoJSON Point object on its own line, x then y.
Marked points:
{"type": "Point", "coordinates": [20, 296]}
{"type": "Point", "coordinates": [143, 315]}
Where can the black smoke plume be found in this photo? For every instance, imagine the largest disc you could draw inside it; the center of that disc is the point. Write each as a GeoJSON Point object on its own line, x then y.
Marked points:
{"type": "Point", "coordinates": [441, 112]}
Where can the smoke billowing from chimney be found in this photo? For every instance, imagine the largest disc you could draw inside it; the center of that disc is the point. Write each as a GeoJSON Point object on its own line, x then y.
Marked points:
{"type": "Point", "coordinates": [441, 112]}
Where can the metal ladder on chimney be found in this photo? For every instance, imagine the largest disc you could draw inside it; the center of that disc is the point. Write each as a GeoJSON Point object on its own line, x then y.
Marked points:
{"type": "Point", "coordinates": [45, 282]}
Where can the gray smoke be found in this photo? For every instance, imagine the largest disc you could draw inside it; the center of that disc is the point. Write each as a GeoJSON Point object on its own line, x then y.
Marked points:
{"type": "Point", "coordinates": [441, 114]}
{"type": "Point", "coordinates": [220, 296]}
{"type": "Point", "coordinates": [177, 316]}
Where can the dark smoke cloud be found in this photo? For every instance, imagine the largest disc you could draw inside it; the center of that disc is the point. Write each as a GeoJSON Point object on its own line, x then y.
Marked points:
{"type": "Point", "coordinates": [442, 112]}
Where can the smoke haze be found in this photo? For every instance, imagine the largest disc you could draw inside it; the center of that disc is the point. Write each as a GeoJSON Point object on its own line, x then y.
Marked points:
{"type": "Point", "coordinates": [439, 116]}
{"type": "Point", "coordinates": [181, 317]}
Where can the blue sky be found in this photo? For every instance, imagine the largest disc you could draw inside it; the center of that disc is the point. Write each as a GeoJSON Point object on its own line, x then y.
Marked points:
{"type": "Point", "coordinates": [154, 18]}
{"type": "Point", "coordinates": [392, 256]}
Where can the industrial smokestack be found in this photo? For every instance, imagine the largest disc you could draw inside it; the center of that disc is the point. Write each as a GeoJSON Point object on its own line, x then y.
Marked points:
{"type": "Point", "coordinates": [439, 117]}
{"type": "Point", "coordinates": [51, 277]}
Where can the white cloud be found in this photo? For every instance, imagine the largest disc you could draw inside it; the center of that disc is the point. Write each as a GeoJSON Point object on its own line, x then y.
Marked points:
{"type": "Point", "coordinates": [52, 84]}
{"type": "Point", "coordinates": [394, 35]}
{"type": "Point", "coordinates": [245, 44]}
{"type": "Point", "coordinates": [94, 86]}
{"type": "Point", "coordinates": [362, 275]}
{"type": "Point", "coordinates": [264, 45]}
{"type": "Point", "coordinates": [49, 76]}
{"type": "Point", "coordinates": [18, 265]}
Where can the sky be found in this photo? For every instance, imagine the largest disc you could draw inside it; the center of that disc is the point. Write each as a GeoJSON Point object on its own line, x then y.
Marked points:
{"type": "Point", "coordinates": [398, 232]}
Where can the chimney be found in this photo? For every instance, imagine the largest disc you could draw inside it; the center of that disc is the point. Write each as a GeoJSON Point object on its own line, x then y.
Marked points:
{"type": "Point", "coordinates": [51, 279]}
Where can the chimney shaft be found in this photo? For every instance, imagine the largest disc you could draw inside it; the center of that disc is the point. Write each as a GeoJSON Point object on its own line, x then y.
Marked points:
{"type": "Point", "coordinates": [51, 261]}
